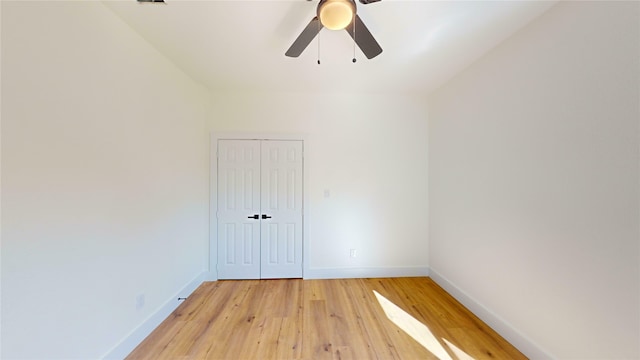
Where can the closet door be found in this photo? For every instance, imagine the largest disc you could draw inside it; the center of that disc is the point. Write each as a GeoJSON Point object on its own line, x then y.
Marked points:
{"type": "Point", "coordinates": [281, 209]}
{"type": "Point", "coordinates": [238, 209]}
{"type": "Point", "coordinates": [259, 209]}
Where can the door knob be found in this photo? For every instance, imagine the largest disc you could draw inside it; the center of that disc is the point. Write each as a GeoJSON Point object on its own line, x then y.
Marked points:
{"type": "Point", "coordinates": [256, 216]}
{"type": "Point", "coordinates": [264, 216]}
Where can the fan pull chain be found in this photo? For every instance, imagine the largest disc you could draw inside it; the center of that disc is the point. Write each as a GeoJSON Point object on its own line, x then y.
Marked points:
{"type": "Point", "coordinates": [319, 30]}
{"type": "Point", "coordinates": [354, 37]}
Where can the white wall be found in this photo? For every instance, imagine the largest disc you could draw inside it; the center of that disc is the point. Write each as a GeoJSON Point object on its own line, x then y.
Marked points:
{"type": "Point", "coordinates": [369, 151]}
{"type": "Point", "coordinates": [104, 180]}
{"type": "Point", "coordinates": [0, 183]}
{"type": "Point", "coordinates": [534, 182]}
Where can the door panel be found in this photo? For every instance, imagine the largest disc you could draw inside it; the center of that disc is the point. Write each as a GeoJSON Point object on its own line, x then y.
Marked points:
{"type": "Point", "coordinates": [281, 235]}
{"type": "Point", "coordinates": [238, 199]}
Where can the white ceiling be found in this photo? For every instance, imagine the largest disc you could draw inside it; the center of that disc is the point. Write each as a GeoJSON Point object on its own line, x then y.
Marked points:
{"type": "Point", "coordinates": [238, 45]}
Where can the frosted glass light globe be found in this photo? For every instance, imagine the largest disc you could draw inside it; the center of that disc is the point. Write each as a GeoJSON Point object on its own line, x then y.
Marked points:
{"type": "Point", "coordinates": [336, 14]}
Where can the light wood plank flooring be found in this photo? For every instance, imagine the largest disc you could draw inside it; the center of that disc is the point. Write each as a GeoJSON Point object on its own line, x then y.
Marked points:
{"type": "Point", "coordinates": [323, 319]}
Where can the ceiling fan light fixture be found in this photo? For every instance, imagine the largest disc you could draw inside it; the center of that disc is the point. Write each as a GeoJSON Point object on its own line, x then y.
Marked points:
{"type": "Point", "coordinates": [336, 14]}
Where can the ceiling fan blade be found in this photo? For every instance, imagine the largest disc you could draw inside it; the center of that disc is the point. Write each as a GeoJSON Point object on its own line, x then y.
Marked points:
{"type": "Point", "coordinates": [366, 42]}
{"type": "Point", "coordinates": [365, 2]}
{"type": "Point", "coordinates": [310, 32]}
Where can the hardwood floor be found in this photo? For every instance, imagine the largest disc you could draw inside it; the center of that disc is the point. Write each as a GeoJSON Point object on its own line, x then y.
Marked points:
{"type": "Point", "coordinates": [323, 319]}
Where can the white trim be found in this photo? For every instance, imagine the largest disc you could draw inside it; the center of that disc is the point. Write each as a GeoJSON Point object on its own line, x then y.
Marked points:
{"type": "Point", "coordinates": [209, 276]}
{"type": "Point", "coordinates": [135, 337]}
{"type": "Point", "coordinates": [213, 193]}
{"type": "Point", "coordinates": [213, 209]}
{"type": "Point", "coordinates": [367, 272]}
{"type": "Point", "coordinates": [506, 330]}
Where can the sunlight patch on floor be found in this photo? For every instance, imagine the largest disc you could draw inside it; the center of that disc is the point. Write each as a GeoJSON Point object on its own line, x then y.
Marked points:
{"type": "Point", "coordinates": [419, 331]}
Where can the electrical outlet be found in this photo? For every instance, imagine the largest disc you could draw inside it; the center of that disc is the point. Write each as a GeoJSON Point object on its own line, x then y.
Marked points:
{"type": "Point", "coordinates": [139, 302]}
{"type": "Point", "coordinates": [352, 253]}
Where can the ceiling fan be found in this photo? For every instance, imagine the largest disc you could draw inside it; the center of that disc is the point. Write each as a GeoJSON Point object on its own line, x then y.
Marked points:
{"type": "Point", "coordinates": [338, 15]}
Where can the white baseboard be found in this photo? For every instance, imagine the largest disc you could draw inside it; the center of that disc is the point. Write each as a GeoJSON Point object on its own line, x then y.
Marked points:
{"type": "Point", "coordinates": [209, 276]}
{"type": "Point", "coordinates": [368, 272]}
{"type": "Point", "coordinates": [516, 338]}
{"type": "Point", "coordinates": [133, 339]}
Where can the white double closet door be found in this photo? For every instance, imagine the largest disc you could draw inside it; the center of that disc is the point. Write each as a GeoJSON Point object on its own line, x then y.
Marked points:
{"type": "Point", "coordinates": [259, 209]}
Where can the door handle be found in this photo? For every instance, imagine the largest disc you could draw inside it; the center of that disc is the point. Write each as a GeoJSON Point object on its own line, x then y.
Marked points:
{"type": "Point", "coordinates": [264, 216]}
{"type": "Point", "coordinates": [256, 216]}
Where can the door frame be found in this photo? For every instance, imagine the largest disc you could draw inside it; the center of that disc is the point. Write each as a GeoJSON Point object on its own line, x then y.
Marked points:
{"type": "Point", "coordinates": [213, 192]}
